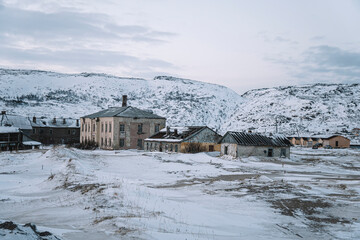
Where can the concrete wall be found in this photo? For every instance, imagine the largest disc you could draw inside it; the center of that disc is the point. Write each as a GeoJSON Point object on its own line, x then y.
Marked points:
{"type": "Point", "coordinates": [342, 142]}
{"type": "Point", "coordinates": [231, 149]}
{"type": "Point", "coordinates": [246, 151]}
{"type": "Point", "coordinates": [153, 146]}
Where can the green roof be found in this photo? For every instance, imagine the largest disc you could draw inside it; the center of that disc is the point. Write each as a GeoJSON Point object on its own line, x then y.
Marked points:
{"type": "Point", "coordinates": [127, 112]}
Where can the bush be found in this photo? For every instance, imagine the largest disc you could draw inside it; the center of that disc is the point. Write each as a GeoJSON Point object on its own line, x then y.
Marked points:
{"type": "Point", "coordinates": [194, 148]}
{"type": "Point", "coordinates": [91, 145]}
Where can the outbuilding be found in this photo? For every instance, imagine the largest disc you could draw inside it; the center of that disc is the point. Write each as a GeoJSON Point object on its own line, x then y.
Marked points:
{"type": "Point", "coordinates": [241, 144]}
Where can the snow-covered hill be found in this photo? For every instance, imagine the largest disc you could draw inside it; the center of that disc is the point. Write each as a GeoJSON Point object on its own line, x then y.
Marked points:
{"type": "Point", "coordinates": [310, 108]}
{"type": "Point", "coordinates": [318, 108]}
{"type": "Point", "coordinates": [182, 101]}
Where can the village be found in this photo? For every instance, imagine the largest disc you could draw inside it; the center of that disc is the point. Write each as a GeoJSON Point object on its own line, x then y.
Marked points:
{"type": "Point", "coordinates": [127, 127]}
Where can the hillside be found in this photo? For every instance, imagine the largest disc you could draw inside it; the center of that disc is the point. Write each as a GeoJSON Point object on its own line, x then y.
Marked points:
{"type": "Point", "coordinates": [318, 108]}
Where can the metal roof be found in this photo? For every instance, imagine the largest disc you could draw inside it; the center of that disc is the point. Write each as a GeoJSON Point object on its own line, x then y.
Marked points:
{"type": "Point", "coordinates": [128, 112]}
{"type": "Point", "coordinates": [15, 121]}
{"type": "Point", "coordinates": [183, 133]}
{"type": "Point", "coordinates": [254, 139]}
{"type": "Point", "coordinates": [59, 123]}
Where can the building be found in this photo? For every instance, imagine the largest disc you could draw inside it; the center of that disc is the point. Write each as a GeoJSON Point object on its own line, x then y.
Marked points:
{"type": "Point", "coordinates": [334, 141]}
{"type": "Point", "coordinates": [12, 138]}
{"type": "Point", "coordinates": [20, 122]}
{"type": "Point", "coordinates": [241, 144]}
{"type": "Point", "coordinates": [55, 130]}
{"type": "Point", "coordinates": [184, 139]}
{"type": "Point", "coordinates": [123, 127]}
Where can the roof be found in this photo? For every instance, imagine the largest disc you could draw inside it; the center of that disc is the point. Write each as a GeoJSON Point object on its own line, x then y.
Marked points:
{"type": "Point", "coordinates": [59, 123]}
{"type": "Point", "coordinates": [254, 139]}
{"type": "Point", "coordinates": [9, 130]}
{"type": "Point", "coordinates": [327, 136]}
{"type": "Point", "coordinates": [31, 143]}
{"type": "Point", "coordinates": [183, 133]}
{"type": "Point", "coordinates": [129, 112]}
{"type": "Point", "coordinates": [15, 121]}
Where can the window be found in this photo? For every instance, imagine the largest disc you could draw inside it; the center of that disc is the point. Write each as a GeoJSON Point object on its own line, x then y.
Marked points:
{"type": "Point", "coordinates": [147, 146]}
{"type": "Point", "coordinates": [73, 132]}
{"type": "Point", "coordinates": [109, 127]}
{"type": "Point", "coordinates": [51, 131]}
{"type": "Point", "coordinates": [157, 128]}
{"type": "Point", "coordinates": [122, 142]}
{"type": "Point", "coordinates": [83, 126]}
{"type": "Point", "coordinates": [122, 128]}
{"type": "Point", "coordinates": [102, 142]}
{"type": "Point", "coordinates": [337, 143]}
{"type": "Point", "coordinates": [211, 148]}
{"type": "Point", "coordinates": [139, 143]}
{"type": "Point", "coordinates": [105, 127]}
{"type": "Point", "coordinates": [94, 127]}
{"type": "Point", "coordinates": [41, 130]}
{"type": "Point", "coordinates": [226, 150]}
{"type": "Point", "coordinates": [110, 142]}
{"type": "Point", "coordinates": [69, 131]}
{"type": "Point", "coordinates": [82, 139]}
{"type": "Point", "coordinates": [270, 152]}
{"type": "Point", "coordinates": [102, 127]}
{"type": "Point", "coordinates": [283, 152]}
{"type": "Point", "coordinates": [34, 130]}
{"type": "Point", "coordinates": [140, 128]}
{"type": "Point", "coordinates": [176, 148]}
{"type": "Point", "coordinates": [105, 141]}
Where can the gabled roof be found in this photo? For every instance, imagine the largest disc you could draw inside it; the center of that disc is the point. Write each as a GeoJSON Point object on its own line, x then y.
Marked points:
{"type": "Point", "coordinates": [9, 130]}
{"type": "Point", "coordinates": [183, 133]}
{"type": "Point", "coordinates": [254, 139]}
{"type": "Point", "coordinates": [15, 121]}
{"type": "Point", "coordinates": [59, 123]}
{"type": "Point", "coordinates": [129, 112]}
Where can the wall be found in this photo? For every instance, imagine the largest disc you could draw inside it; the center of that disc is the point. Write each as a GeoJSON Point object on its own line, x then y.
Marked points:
{"type": "Point", "coordinates": [58, 135]}
{"type": "Point", "coordinates": [232, 149]}
{"type": "Point", "coordinates": [161, 146]}
{"type": "Point", "coordinates": [261, 151]}
{"type": "Point", "coordinates": [343, 142]}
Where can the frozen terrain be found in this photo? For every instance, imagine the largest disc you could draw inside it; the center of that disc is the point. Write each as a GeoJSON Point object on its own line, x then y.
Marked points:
{"type": "Point", "coordinates": [296, 109]}
{"type": "Point", "coordinates": [79, 194]}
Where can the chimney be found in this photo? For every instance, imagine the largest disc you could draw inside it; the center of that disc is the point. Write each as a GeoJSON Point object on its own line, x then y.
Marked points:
{"type": "Point", "coordinates": [64, 120]}
{"type": "Point", "coordinates": [77, 122]}
{"type": "Point", "coordinates": [175, 132]}
{"type": "Point", "coordinates": [167, 130]}
{"type": "Point", "coordinates": [3, 112]}
{"type": "Point", "coordinates": [124, 100]}
{"type": "Point", "coordinates": [54, 120]}
{"type": "Point", "coordinates": [34, 119]}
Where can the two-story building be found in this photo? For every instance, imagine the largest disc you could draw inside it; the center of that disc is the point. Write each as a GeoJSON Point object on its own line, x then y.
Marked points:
{"type": "Point", "coordinates": [123, 127]}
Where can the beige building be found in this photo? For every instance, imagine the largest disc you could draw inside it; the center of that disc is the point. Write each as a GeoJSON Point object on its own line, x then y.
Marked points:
{"type": "Point", "coordinates": [334, 141]}
{"type": "Point", "coordinates": [123, 127]}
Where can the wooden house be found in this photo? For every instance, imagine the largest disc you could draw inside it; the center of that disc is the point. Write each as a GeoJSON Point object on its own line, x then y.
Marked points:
{"type": "Point", "coordinates": [123, 127]}
{"type": "Point", "coordinates": [241, 144]}
{"type": "Point", "coordinates": [188, 139]}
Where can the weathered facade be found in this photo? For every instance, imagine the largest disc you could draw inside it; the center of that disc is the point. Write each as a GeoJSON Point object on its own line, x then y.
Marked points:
{"type": "Point", "coordinates": [184, 139]}
{"type": "Point", "coordinates": [123, 127]}
{"type": "Point", "coordinates": [55, 131]}
{"type": "Point", "coordinates": [336, 141]}
{"type": "Point", "coordinates": [241, 144]}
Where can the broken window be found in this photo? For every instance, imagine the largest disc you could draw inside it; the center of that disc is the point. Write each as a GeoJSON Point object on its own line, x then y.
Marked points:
{"type": "Point", "coordinates": [283, 152]}
{"type": "Point", "coordinates": [122, 142]}
{"type": "Point", "coordinates": [270, 152]}
{"type": "Point", "coordinates": [226, 150]}
{"type": "Point", "coordinates": [140, 128]}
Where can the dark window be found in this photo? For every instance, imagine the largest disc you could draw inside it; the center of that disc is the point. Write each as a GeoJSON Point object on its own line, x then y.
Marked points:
{"type": "Point", "coordinates": [171, 147]}
{"type": "Point", "coordinates": [283, 152]}
{"type": "Point", "coordinates": [157, 128]}
{"type": "Point", "coordinates": [211, 148]}
{"type": "Point", "coordinates": [102, 127]}
{"type": "Point", "coordinates": [105, 127]}
{"type": "Point", "coordinates": [270, 152]}
{"type": "Point", "coordinates": [51, 131]}
{"type": "Point", "coordinates": [226, 150]}
{"type": "Point", "coordinates": [69, 131]}
{"type": "Point", "coordinates": [110, 127]}
{"type": "Point", "coordinates": [34, 130]}
{"type": "Point", "coordinates": [147, 146]}
{"type": "Point", "coordinates": [140, 128]}
{"type": "Point", "coordinates": [73, 132]}
{"type": "Point", "coordinates": [110, 142]}
{"type": "Point", "coordinates": [337, 143]}
{"type": "Point", "coordinates": [105, 141]}
{"type": "Point", "coordinates": [122, 142]}
{"type": "Point", "coordinates": [102, 142]}
{"type": "Point", "coordinates": [82, 139]}
{"type": "Point", "coordinates": [122, 128]}
{"type": "Point", "coordinates": [139, 143]}
{"type": "Point", "coordinates": [94, 127]}
{"type": "Point", "coordinates": [41, 130]}
{"type": "Point", "coordinates": [83, 126]}
{"type": "Point", "coordinates": [176, 148]}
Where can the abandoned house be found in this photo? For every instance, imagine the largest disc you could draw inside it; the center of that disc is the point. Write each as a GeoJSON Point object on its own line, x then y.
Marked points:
{"type": "Point", "coordinates": [184, 139]}
{"type": "Point", "coordinates": [12, 138]}
{"type": "Point", "coordinates": [305, 141]}
{"type": "Point", "coordinates": [20, 122]}
{"type": "Point", "coordinates": [55, 130]}
{"type": "Point", "coordinates": [241, 144]}
{"type": "Point", "coordinates": [123, 127]}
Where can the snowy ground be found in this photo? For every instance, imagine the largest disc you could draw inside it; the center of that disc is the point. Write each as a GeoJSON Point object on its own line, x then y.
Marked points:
{"type": "Point", "coordinates": [77, 194]}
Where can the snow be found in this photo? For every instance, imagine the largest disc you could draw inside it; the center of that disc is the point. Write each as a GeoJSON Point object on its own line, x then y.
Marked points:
{"type": "Point", "coordinates": [32, 143]}
{"type": "Point", "coordinates": [79, 194]}
{"type": "Point", "coordinates": [9, 130]}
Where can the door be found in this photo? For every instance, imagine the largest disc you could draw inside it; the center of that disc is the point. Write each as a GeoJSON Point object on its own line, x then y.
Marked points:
{"type": "Point", "coordinates": [211, 148]}
{"type": "Point", "coordinates": [270, 152]}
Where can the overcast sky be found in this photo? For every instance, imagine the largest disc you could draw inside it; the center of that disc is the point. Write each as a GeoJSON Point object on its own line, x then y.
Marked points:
{"type": "Point", "coordinates": [237, 43]}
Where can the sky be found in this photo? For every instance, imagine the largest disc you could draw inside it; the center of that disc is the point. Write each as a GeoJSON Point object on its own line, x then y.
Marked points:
{"type": "Point", "coordinates": [242, 44]}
